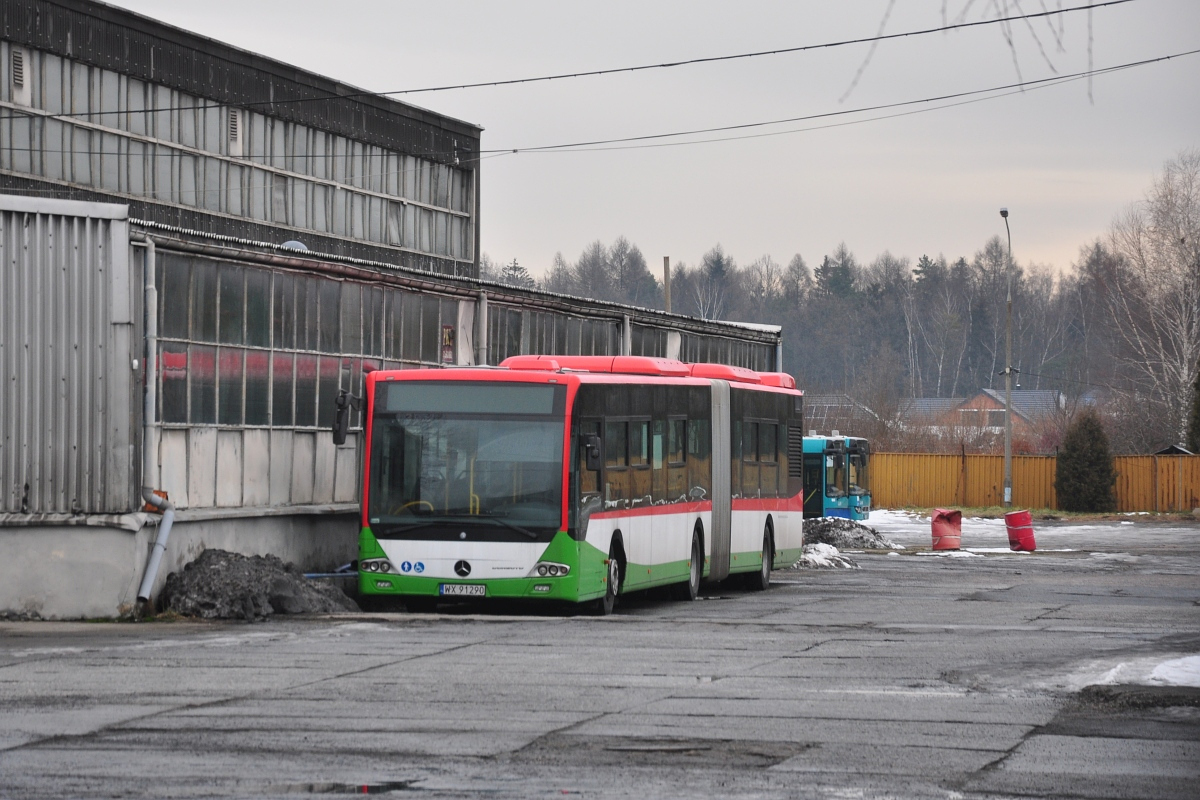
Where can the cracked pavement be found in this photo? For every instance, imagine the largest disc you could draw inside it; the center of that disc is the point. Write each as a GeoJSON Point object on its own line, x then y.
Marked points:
{"type": "Point", "coordinates": [910, 677]}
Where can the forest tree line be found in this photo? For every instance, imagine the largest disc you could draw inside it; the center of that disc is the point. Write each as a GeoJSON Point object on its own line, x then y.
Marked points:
{"type": "Point", "coordinates": [1119, 330]}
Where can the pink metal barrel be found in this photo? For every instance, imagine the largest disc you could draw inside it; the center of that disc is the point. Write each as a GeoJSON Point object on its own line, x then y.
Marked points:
{"type": "Point", "coordinates": [947, 528]}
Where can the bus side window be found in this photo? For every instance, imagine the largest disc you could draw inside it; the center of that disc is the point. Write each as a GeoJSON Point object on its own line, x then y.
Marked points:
{"type": "Point", "coordinates": [750, 468]}
{"type": "Point", "coordinates": [699, 459]}
{"type": "Point", "coordinates": [589, 480]}
{"type": "Point", "coordinates": [768, 446]}
{"type": "Point", "coordinates": [658, 464]}
{"type": "Point", "coordinates": [639, 462]}
{"type": "Point", "coordinates": [616, 462]}
{"type": "Point", "coordinates": [676, 460]}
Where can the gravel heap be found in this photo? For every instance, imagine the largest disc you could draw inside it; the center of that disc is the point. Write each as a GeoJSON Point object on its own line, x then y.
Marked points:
{"type": "Point", "coordinates": [845, 534]}
{"type": "Point", "coordinates": [224, 585]}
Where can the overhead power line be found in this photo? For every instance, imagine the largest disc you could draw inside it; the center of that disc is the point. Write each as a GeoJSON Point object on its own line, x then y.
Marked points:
{"type": "Point", "coordinates": [1021, 85]}
{"type": "Point", "coordinates": [656, 140]}
{"type": "Point", "coordinates": [615, 70]}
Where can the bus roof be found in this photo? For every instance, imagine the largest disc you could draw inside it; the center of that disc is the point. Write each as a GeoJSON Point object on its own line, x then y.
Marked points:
{"type": "Point", "coordinates": [647, 365]}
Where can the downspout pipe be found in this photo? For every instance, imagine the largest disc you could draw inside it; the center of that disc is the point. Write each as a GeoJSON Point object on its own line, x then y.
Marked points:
{"type": "Point", "coordinates": [149, 442]}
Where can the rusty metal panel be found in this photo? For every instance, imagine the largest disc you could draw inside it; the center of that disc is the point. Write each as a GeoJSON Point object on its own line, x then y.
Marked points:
{"type": "Point", "coordinates": [68, 407]}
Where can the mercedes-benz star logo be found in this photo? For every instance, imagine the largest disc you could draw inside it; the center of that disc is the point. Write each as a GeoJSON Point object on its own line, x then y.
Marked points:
{"type": "Point", "coordinates": [462, 569]}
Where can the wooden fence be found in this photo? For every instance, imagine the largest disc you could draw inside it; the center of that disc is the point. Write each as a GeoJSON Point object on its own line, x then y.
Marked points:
{"type": "Point", "coordinates": [1144, 483]}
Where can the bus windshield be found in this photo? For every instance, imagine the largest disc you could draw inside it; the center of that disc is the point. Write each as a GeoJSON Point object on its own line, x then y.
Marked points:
{"type": "Point", "coordinates": [835, 474]}
{"type": "Point", "coordinates": [859, 482]}
{"type": "Point", "coordinates": [467, 455]}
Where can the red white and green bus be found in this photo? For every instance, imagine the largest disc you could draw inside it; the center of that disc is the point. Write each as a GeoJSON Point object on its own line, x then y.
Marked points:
{"type": "Point", "coordinates": [577, 479]}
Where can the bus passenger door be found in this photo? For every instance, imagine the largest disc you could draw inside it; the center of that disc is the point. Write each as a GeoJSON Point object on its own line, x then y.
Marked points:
{"type": "Point", "coordinates": [814, 485]}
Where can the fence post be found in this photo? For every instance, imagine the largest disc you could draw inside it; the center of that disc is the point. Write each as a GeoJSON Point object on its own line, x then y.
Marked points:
{"type": "Point", "coordinates": [962, 475]}
{"type": "Point", "coordinates": [1154, 479]}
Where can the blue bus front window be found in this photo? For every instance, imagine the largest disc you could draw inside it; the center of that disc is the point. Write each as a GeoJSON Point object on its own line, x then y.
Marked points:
{"type": "Point", "coordinates": [835, 475]}
{"type": "Point", "coordinates": [859, 476]}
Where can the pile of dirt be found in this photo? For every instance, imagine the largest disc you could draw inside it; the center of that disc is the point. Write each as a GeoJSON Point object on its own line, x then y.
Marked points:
{"type": "Point", "coordinates": [224, 585]}
{"type": "Point", "coordinates": [845, 534]}
{"type": "Point", "coordinates": [824, 556]}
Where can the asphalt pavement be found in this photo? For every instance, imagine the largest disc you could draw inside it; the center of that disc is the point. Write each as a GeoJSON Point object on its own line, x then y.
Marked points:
{"type": "Point", "coordinates": [973, 675]}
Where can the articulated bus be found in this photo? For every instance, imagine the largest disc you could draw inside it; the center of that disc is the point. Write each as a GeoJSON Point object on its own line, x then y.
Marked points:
{"type": "Point", "coordinates": [577, 479]}
{"type": "Point", "coordinates": [836, 477]}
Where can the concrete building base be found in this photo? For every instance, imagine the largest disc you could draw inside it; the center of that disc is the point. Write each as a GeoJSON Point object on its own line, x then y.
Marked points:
{"type": "Point", "coordinates": [88, 572]}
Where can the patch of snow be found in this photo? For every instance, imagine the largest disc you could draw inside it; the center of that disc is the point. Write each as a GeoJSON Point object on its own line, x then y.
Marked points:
{"type": "Point", "coordinates": [997, 550]}
{"type": "Point", "coordinates": [1177, 672]}
{"type": "Point", "coordinates": [1145, 671]}
{"type": "Point", "coordinates": [893, 553]}
{"type": "Point", "coordinates": [824, 556]}
{"type": "Point", "coordinates": [949, 553]}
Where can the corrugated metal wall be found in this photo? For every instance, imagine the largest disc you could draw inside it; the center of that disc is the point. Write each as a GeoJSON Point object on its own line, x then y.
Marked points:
{"type": "Point", "coordinates": [67, 314]}
{"type": "Point", "coordinates": [1144, 483]}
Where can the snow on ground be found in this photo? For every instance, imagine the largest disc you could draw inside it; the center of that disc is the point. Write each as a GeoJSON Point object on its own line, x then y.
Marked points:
{"type": "Point", "coordinates": [1148, 671]}
{"type": "Point", "coordinates": [824, 556]}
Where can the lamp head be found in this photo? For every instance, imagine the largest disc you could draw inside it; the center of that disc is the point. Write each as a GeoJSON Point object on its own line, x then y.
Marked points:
{"type": "Point", "coordinates": [1004, 213]}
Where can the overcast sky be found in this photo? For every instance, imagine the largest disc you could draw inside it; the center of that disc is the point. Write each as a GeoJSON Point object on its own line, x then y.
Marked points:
{"type": "Point", "coordinates": [931, 182]}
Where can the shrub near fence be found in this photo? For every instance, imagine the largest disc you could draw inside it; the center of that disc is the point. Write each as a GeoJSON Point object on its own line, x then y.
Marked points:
{"type": "Point", "coordinates": [1144, 483]}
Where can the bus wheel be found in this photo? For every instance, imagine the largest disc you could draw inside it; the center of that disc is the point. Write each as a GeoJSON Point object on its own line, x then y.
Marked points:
{"type": "Point", "coordinates": [689, 590]}
{"type": "Point", "coordinates": [761, 580]}
{"type": "Point", "coordinates": [612, 586]}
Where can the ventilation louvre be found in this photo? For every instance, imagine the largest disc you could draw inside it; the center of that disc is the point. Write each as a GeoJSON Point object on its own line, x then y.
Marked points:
{"type": "Point", "coordinates": [18, 68]}
{"type": "Point", "coordinates": [236, 131]}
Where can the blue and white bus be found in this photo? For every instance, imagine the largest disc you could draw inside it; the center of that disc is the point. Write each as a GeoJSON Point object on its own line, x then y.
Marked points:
{"type": "Point", "coordinates": [837, 477]}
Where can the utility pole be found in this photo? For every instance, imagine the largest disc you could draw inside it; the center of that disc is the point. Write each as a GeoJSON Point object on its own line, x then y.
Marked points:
{"type": "Point", "coordinates": [667, 283]}
{"type": "Point", "coordinates": [1008, 374]}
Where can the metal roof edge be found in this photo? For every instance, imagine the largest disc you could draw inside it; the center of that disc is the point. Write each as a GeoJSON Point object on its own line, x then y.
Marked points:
{"type": "Point", "coordinates": [67, 208]}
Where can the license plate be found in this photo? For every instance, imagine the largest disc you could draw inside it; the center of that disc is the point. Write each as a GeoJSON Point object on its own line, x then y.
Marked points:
{"type": "Point", "coordinates": [462, 590]}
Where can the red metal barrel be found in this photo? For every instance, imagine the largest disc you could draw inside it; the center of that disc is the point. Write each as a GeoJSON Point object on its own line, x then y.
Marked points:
{"type": "Point", "coordinates": [947, 528]}
{"type": "Point", "coordinates": [1020, 530]}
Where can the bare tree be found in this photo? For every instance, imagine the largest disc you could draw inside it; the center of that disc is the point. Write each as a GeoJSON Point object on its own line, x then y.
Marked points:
{"type": "Point", "coordinates": [1155, 299]}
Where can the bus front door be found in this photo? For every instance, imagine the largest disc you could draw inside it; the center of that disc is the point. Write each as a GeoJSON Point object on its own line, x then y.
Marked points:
{"type": "Point", "coordinates": [814, 485]}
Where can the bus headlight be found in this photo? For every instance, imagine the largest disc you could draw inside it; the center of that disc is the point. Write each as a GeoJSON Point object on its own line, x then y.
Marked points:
{"type": "Point", "coordinates": [549, 568]}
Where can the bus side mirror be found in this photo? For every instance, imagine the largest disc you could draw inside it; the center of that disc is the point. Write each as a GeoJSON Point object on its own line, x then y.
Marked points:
{"type": "Point", "coordinates": [341, 420]}
{"type": "Point", "coordinates": [593, 455]}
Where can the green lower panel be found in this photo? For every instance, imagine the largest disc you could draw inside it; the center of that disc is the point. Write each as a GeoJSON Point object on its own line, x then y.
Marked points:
{"type": "Point", "coordinates": [585, 582]}
{"type": "Point", "coordinates": [642, 576]}
{"type": "Point", "coordinates": [785, 558]}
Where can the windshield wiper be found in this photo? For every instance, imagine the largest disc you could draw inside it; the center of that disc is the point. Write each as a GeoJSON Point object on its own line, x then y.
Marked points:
{"type": "Point", "coordinates": [401, 527]}
{"type": "Point", "coordinates": [512, 526]}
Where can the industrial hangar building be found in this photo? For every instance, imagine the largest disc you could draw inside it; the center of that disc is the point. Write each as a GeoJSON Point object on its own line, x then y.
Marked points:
{"type": "Point", "coordinates": [235, 239]}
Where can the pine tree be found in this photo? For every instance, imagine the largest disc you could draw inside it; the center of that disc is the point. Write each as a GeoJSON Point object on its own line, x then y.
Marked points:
{"type": "Point", "coordinates": [516, 275]}
{"type": "Point", "coordinates": [1085, 474]}
{"type": "Point", "coordinates": [1193, 430]}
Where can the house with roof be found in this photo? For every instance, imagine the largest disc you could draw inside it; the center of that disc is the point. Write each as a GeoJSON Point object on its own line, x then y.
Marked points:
{"type": "Point", "coordinates": [985, 411]}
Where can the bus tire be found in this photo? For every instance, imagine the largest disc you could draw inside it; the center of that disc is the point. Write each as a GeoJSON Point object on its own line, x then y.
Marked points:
{"type": "Point", "coordinates": [761, 580]}
{"type": "Point", "coordinates": [612, 584]}
{"type": "Point", "coordinates": [690, 589]}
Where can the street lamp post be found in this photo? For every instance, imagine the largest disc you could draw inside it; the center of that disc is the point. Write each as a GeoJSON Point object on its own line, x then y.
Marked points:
{"type": "Point", "coordinates": [1008, 374]}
